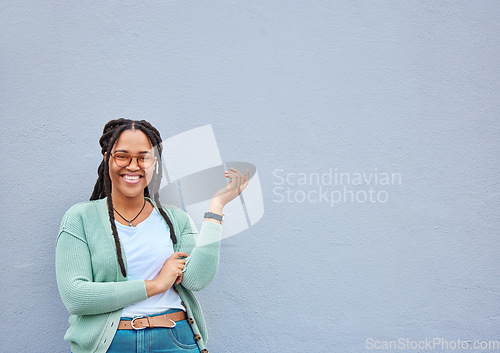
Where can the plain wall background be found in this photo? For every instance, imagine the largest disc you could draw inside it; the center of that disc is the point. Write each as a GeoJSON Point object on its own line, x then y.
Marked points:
{"type": "Point", "coordinates": [407, 87]}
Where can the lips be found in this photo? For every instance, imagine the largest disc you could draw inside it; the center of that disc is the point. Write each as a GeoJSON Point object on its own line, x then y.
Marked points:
{"type": "Point", "coordinates": [131, 178]}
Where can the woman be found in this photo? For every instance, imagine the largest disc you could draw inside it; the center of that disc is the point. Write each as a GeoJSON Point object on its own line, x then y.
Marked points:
{"type": "Point", "coordinates": [126, 264]}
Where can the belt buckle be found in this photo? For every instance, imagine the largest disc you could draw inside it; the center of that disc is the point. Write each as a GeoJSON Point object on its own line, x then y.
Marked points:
{"type": "Point", "coordinates": [132, 323]}
{"type": "Point", "coordinates": [174, 323]}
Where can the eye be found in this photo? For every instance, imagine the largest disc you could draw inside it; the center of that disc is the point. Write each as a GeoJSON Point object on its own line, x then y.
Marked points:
{"type": "Point", "coordinates": [146, 158]}
{"type": "Point", "coordinates": [122, 156]}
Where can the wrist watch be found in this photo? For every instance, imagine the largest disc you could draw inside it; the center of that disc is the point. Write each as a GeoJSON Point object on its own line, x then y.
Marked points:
{"type": "Point", "coordinates": [215, 216]}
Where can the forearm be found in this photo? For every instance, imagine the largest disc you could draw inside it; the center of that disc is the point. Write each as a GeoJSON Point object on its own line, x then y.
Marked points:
{"type": "Point", "coordinates": [156, 286]}
{"type": "Point", "coordinates": [203, 261]}
{"type": "Point", "coordinates": [80, 294]}
{"type": "Point", "coordinates": [91, 298]}
{"type": "Point", "coordinates": [152, 288]}
{"type": "Point", "coordinates": [201, 270]}
{"type": "Point", "coordinates": [216, 208]}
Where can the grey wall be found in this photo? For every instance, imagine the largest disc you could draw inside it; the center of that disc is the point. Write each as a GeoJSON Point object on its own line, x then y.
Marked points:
{"type": "Point", "coordinates": [374, 87]}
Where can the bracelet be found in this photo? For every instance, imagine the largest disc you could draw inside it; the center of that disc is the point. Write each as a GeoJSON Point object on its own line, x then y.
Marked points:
{"type": "Point", "coordinates": [215, 216]}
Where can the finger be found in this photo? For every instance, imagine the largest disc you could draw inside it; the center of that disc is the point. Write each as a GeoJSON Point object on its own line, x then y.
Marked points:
{"type": "Point", "coordinates": [237, 184]}
{"type": "Point", "coordinates": [230, 175]}
{"type": "Point", "coordinates": [233, 180]}
{"type": "Point", "coordinates": [239, 180]}
{"type": "Point", "coordinates": [236, 180]}
{"type": "Point", "coordinates": [233, 173]}
{"type": "Point", "coordinates": [236, 171]}
{"type": "Point", "coordinates": [178, 254]}
{"type": "Point", "coordinates": [179, 279]}
{"type": "Point", "coordinates": [246, 179]}
{"type": "Point", "coordinates": [179, 263]}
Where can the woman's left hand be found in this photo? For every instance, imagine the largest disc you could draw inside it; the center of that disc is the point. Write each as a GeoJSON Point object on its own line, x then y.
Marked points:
{"type": "Point", "coordinates": [237, 183]}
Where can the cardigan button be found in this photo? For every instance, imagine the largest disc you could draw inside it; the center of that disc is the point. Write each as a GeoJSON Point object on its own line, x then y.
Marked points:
{"type": "Point", "coordinates": [182, 303]}
{"type": "Point", "coordinates": [197, 337]}
{"type": "Point", "coordinates": [204, 351]}
{"type": "Point", "coordinates": [190, 320]}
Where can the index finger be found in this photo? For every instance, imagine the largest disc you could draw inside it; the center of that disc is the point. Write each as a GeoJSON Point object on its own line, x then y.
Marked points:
{"type": "Point", "coordinates": [178, 254]}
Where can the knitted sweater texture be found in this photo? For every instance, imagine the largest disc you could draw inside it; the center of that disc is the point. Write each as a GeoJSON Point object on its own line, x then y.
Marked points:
{"type": "Point", "coordinates": [91, 284]}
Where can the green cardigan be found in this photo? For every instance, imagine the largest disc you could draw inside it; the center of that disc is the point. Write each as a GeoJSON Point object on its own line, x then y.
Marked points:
{"type": "Point", "coordinates": [93, 288]}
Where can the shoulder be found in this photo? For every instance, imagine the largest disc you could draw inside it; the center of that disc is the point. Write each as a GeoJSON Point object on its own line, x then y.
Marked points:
{"type": "Point", "coordinates": [82, 208]}
{"type": "Point", "coordinates": [76, 216]}
{"type": "Point", "coordinates": [176, 213]}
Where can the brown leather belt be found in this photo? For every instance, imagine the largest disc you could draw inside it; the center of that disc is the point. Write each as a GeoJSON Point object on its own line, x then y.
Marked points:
{"type": "Point", "coordinates": [165, 320]}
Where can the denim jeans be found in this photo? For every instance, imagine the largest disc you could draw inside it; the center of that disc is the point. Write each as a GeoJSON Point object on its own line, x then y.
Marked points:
{"type": "Point", "coordinates": [179, 338]}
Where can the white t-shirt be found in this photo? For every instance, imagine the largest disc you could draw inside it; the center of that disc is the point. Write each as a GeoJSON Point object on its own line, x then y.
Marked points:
{"type": "Point", "coordinates": [147, 247]}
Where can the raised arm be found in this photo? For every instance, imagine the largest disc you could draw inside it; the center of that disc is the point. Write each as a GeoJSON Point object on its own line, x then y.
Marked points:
{"type": "Point", "coordinates": [203, 247]}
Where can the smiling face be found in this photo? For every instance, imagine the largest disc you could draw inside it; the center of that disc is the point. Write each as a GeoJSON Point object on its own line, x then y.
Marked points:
{"type": "Point", "coordinates": [130, 181]}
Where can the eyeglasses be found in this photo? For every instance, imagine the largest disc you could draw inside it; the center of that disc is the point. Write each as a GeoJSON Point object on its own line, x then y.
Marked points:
{"type": "Point", "coordinates": [124, 159]}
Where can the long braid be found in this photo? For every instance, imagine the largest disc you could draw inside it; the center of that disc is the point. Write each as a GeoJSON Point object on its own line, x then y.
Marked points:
{"type": "Point", "coordinates": [165, 217]}
{"type": "Point", "coordinates": [115, 231]}
{"type": "Point", "coordinates": [154, 136]}
{"type": "Point", "coordinates": [99, 191]}
{"type": "Point", "coordinates": [111, 132]}
{"type": "Point", "coordinates": [111, 212]}
{"type": "Point", "coordinates": [105, 141]}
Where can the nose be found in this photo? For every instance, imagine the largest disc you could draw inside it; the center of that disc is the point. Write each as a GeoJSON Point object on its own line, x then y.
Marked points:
{"type": "Point", "coordinates": [134, 164]}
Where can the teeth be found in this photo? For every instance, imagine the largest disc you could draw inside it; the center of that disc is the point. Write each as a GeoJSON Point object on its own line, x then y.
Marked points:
{"type": "Point", "coordinates": [131, 177]}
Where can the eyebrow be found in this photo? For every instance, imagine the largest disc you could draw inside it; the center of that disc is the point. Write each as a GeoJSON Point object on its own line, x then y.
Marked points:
{"type": "Point", "coordinates": [129, 152]}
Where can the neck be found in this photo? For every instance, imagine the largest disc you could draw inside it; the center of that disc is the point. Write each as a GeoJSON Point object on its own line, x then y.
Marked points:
{"type": "Point", "coordinates": [127, 204]}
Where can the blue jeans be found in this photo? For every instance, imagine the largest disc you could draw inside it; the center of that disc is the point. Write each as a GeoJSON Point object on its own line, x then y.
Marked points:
{"type": "Point", "coordinates": [179, 338]}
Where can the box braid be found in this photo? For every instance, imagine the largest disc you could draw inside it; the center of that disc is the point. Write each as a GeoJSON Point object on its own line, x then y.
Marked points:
{"type": "Point", "coordinates": [111, 132]}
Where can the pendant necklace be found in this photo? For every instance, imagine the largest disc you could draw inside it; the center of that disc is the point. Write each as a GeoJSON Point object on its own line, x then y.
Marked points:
{"type": "Point", "coordinates": [126, 220]}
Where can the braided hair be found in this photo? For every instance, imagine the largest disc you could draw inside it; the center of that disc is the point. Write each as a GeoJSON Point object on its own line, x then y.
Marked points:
{"type": "Point", "coordinates": [111, 132]}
